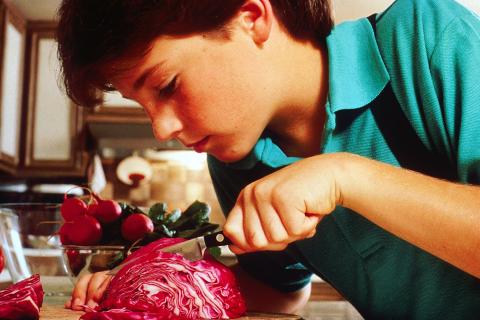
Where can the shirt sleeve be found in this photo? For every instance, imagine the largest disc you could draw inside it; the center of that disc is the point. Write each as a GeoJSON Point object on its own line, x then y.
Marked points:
{"type": "Point", "coordinates": [455, 69]}
{"type": "Point", "coordinates": [279, 269]}
{"type": "Point", "coordinates": [431, 49]}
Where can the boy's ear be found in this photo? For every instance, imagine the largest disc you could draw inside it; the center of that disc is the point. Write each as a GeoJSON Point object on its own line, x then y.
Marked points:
{"type": "Point", "coordinates": [256, 19]}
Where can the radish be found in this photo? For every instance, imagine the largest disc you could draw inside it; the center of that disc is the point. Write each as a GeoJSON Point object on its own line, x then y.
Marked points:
{"type": "Point", "coordinates": [92, 208]}
{"type": "Point", "coordinates": [64, 233]}
{"type": "Point", "coordinates": [76, 261]}
{"type": "Point", "coordinates": [84, 231]}
{"type": "Point", "coordinates": [136, 226]}
{"type": "Point", "coordinates": [107, 210]}
{"type": "Point", "coordinates": [72, 208]}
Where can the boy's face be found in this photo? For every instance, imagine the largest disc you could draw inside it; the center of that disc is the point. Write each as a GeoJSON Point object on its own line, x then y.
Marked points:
{"type": "Point", "coordinates": [216, 96]}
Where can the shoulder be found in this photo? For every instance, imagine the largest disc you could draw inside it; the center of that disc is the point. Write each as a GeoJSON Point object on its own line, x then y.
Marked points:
{"type": "Point", "coordinates": [407, 23]}
{"type": "Point", "coordinates": [430, 11]}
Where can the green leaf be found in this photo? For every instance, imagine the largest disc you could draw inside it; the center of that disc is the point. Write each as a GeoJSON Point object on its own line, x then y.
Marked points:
{"type": "Point", "coordinates": [128, 209]}
{"type": "Point", "coordinates": [197, 213]}
{"type": "Point", "coordinates": [203, 229]}
{"type": "Point", "coordinates": [152, 236]}
{"type": "Point", "coordinates": [215, 252]}
{"type": "Point", "coordinates": [162, 229]}
{"type": "Point", "coordinates": [157, 212]}
{"type": "Point", "coordinates": [116, 260]}
{"type": "Point", "coordinates": [172, 217]}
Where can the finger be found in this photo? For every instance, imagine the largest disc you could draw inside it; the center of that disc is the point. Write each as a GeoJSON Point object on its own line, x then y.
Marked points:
{"type": "Point", "coordinates": [101, 290]}
{"type": "Point", "coordinates": [272, 224]}
{"type": "Point", "coordinates": [236, 250]}
{"type": "Point", "coordinates": [277, 246]}
{"type": "Point", "coordinates": [253, 228]}
{"type": "Point", "coordinates": [79, 292]}
{"type": "Point", "coordinates": [314, 231]}
{"type": "Point", "coordinates": [293, 219]}
{"type": "Point", "coordinates": [68, 304]}
{"type": "Point", "coordinates": [310, 225]}
{"type": "Point", "coordinates": [233, 227]}
{"type": "Point", "coordinates": [95, 282]}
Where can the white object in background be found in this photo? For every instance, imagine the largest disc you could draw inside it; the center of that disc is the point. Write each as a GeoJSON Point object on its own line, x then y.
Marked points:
{"type": "Point", "coordinates": [134, 165]}
{"type": "Point", "coordinates": [115, 99]}
{"type": "Point", "coordinates": [188, 158]}
{"type": "Point", "coordinates": [14, 187]}
{"type": "Point", "coordinates": [98, 180]}
{"type": "Point", "coordinates": [58, 188]}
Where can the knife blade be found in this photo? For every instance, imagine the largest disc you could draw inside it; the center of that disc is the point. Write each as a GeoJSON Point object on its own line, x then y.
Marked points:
{"type": "Point", "coordinates": [191, 249]}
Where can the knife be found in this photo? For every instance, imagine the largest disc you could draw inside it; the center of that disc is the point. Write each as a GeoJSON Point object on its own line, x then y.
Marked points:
{"type": "Point", "coordinates": [191, 249]}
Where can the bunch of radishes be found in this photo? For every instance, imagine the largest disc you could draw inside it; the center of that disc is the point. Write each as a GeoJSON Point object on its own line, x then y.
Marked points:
{"type": "Point", "coordinates": [98, 220]}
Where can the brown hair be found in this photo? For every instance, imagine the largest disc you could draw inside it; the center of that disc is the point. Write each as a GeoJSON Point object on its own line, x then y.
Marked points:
{"type": "Point", "coordinates": [91, 34]}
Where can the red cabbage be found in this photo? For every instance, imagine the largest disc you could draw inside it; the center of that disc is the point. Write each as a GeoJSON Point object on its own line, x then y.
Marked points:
{"type": "Point", "coordinates": [22, 300]}
{"type": "Point", "coordinates": [160, 285]}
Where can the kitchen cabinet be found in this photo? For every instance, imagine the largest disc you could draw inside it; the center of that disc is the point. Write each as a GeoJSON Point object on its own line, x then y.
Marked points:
{"type": "Point", "coordinates": [120, 123]}
{"type": "Point", "coordinates": [116, 109]}
{"type": "Point", "coordinates": [41, 131]}
{"type": "Point", "coordinates": [13, 39]}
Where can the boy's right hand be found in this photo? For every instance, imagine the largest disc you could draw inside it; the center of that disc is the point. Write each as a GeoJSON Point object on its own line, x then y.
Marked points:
{"type": "Point", "coordinates": [89, 291]}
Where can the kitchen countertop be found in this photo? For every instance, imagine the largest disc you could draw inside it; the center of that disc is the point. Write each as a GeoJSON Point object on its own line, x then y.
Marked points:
{"type": "Point", "coordinates": [53, 309]}
{"type": "Point", "coordinates": [58, 312]}
{"type": "Point", "coordinates": [324, 303]}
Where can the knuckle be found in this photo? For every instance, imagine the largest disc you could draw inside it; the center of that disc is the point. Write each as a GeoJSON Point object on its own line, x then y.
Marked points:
{"type": "Point", "coordinates": [229, 230]}
{"type": "Point", "coordinates": [98, 295]}
{"type": "Point", "coordinates": [295, 230]}
{"type": "Point", "coordinates": [279, 237]}
{"type": "Point", "coordinates": [255, 240]}
{"type": "Point", "coordinates": [247, 191]}
{"type": "Point", "coordinates": [280, 197]}
{"type": "Point", "coordinates": [312, 233]}
{"type": "Point", "coordinates": [261, 191]}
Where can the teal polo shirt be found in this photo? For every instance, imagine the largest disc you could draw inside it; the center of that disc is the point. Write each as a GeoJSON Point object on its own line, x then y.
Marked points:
{"type": "Point", "coordinates": [428, 51]}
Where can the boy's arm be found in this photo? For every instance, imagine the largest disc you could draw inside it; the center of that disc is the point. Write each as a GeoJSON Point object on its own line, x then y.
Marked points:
{"type": "Point", "coordinates": [438, 216]}
{"type": "Point", "coordinates": [262, 298]}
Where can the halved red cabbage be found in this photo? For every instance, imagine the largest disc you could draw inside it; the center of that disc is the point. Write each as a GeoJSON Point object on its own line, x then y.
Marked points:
{"type": "Point", "coordinates": [22, 300]}
{"type": "Point", "coordinates": [169, 286]}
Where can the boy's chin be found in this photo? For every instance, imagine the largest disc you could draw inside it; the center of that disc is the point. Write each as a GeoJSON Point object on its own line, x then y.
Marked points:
{"type": "Point", "coordinates": [229, 157]}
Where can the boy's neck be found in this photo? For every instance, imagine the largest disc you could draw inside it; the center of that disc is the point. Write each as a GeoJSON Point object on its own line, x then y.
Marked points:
{"type": "Point", "coordinates": [298, 124]}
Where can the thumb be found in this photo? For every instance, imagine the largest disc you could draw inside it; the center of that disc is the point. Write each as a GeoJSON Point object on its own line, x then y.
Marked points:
{"type": "Point", "coordinates": [310, 224]}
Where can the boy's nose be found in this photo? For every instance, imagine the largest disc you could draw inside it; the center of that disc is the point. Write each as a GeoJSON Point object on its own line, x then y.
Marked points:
{"type": "Point", "coordinates": [166, 126]}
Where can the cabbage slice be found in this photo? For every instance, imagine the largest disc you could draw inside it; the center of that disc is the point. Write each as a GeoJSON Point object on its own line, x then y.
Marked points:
{"type": "Point", "coordinates": [169, 286]}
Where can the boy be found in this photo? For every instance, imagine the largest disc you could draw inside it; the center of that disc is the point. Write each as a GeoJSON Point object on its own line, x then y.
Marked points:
{"type": "Point", "coordinates": [307, 130]}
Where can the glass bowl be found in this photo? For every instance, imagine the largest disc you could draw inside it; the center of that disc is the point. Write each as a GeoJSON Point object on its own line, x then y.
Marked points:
{"type": "Point", "coordinates": [29, 241]}
{"type": "Point", "coordinates": [80, 260]}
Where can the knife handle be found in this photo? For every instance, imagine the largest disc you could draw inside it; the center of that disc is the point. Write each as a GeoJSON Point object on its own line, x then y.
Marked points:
{"type": "Point", "coordinates": [216, 239]}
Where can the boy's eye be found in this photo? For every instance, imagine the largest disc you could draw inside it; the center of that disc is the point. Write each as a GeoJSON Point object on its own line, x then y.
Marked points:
{"type": "Point", "coordinates": [169, 89]}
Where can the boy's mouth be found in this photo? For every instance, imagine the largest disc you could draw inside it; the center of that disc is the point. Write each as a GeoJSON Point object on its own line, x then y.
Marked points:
{"type": "Point", "coordinates": [200, 145]}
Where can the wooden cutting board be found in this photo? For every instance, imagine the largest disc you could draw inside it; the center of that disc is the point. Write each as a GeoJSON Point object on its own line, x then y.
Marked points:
{"type": "Point", "coordinates": [57, 312]}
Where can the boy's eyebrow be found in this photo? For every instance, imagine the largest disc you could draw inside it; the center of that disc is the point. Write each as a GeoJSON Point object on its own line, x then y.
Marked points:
{"type": "Point", "coordinates": [147, 73]}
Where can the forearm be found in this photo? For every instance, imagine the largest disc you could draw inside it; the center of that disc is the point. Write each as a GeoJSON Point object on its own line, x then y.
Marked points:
{"type": "Point", "coordinates": [438, 216]}
{"type": "Point", "coordinates": [262, 298]}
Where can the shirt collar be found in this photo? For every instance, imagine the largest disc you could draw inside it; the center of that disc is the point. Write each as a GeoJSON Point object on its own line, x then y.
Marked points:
{"type": "Point", "coordinates": [357, 73]}
{"type": "Point", "coordinates": [266, 152]}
